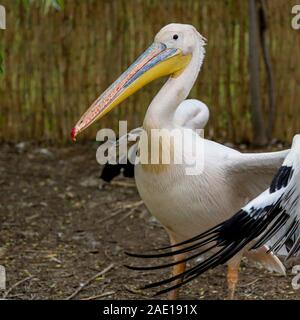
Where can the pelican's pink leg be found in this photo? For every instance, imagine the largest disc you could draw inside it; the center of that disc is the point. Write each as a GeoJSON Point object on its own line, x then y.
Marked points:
{"type": "Point", "coordinates": [177, 269]}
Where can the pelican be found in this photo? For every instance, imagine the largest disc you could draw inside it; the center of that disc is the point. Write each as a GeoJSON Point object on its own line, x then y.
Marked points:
{"type": "Point", "coordinates": [272, 216]}
{"type": "Point", "coordinates": [187, 205]}
{"type": "Point", "coordinates": [190, 113]}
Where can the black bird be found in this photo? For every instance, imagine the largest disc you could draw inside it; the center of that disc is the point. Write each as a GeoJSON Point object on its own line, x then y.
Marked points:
{"type": "Point", "coordinates": [110, 171]}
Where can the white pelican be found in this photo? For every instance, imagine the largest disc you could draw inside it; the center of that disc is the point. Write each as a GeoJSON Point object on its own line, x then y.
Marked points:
{"type": "Point", "coordinates": [187, 205]}
{"type": "Point", "coordinates": [191, 113]}
{"type": "Point", "coordinates": [272, 216]}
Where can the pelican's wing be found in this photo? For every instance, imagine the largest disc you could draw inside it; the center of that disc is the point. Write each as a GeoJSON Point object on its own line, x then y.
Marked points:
{"type": "Point", "coordinates": [275, 210]}
{"type": "Point", "coordinates": [192, 114]}
{"type": "Point", "coordinates": [256, 169]}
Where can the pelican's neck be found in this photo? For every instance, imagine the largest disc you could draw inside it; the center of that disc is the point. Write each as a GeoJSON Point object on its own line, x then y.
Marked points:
{"type": "Point", "coordinates": [162, 108]}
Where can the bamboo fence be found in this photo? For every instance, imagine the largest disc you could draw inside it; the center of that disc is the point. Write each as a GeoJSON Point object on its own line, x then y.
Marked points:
{"type": "Point", "coordinates": [57, 63]}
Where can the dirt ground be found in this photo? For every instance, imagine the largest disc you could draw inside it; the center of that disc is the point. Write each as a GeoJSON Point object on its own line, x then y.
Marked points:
{"type": "Point", "coordinates": [59, 228]}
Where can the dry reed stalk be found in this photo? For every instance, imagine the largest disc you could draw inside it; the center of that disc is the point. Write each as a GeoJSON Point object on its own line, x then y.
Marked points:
{"type": "Point", "coordinates": [57, 64]}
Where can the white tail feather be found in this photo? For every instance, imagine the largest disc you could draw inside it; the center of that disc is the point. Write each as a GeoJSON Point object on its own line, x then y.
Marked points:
{"type": "Point", "coordinates": [267, 259]}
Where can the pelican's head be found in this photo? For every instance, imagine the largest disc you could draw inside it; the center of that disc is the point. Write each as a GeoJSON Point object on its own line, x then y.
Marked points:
{"type": "Point", "coordinates": [169, 54]}
{"type": "Point", "coordinates": [183, 37]}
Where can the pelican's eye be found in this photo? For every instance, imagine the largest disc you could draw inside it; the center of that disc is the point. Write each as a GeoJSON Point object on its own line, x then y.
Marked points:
{"type": "Point", "coordinates": [175, 37]}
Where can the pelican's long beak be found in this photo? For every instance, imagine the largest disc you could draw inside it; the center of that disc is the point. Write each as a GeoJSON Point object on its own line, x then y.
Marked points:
{"type": "Point", "coordinates": [155, 62]}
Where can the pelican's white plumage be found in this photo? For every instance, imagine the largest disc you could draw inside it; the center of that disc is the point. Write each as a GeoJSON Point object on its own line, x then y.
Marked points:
{"type": "Point", "coordinates": [192, 114]}
{"type": "Point", "coordinates": [187, 205]}
{"type": "Point", "coordinates": [273, 216]}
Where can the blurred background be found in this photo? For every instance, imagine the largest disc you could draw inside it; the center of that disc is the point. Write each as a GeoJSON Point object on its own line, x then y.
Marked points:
{"type": "Point", "coordinates": [60, 226]}
{"type": "Point", "coordinates": [58, 56]}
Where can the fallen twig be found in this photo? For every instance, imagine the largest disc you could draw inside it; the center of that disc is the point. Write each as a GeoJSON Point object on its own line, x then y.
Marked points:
{"type": "Point", "coordinates": [5, 295]}
{"type": "Point", "coordinates": [250, 283]}
{"type": "Point", "coordinates": [123, 184]}
{"type": "Point", "coordinates": [128, 214]}
{"type": "Point", "coordinates": [136, 291]}
{"type": "Point", "coordinates": [111, 216]}
{"type": "Point", "coordinates": [104, 294]}
{"type": "Point", "coordinates": [120, 209]}
{"type": "Point", "coordinates": [133, 205]}
{"type": "Point", "coordinates": [83, 285]}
